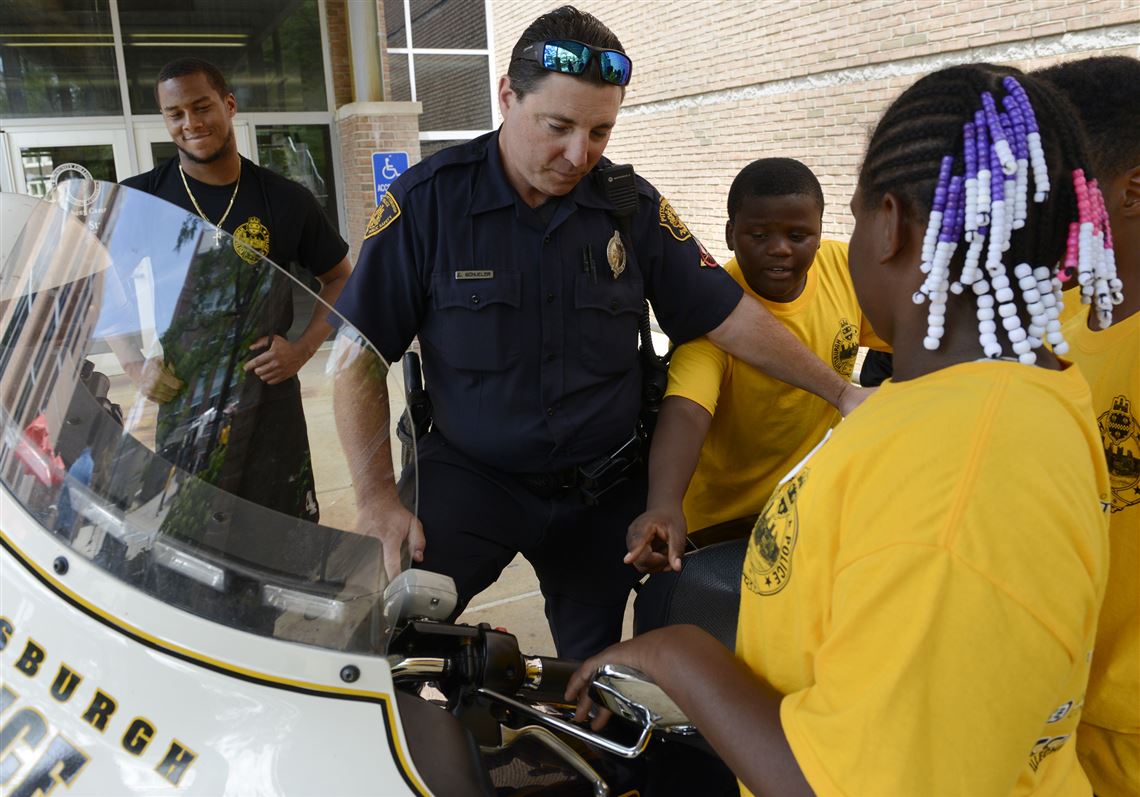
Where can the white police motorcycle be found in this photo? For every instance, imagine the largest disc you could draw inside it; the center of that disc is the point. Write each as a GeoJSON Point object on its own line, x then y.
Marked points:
{"type": "Point", "coordinates": [163, 633]}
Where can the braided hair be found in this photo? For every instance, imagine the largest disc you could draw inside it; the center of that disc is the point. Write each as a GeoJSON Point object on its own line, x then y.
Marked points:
{"type": "Point", "coordinates": [1106, 93]}
{"type": "Point", "coordinates": [959, 148]}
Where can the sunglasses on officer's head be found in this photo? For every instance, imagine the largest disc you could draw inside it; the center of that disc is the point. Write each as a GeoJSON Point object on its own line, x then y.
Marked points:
{"type": "Point", "coordinates": [571, 57]}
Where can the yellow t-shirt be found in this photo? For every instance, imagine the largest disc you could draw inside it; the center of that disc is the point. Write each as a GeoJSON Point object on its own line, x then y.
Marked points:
{"type": "Point", "coordinates": [924, 588]}
{"type": "Point", "coordinates": [762, 426]}
{"type": "Point", "coordinates": [1108, 740]}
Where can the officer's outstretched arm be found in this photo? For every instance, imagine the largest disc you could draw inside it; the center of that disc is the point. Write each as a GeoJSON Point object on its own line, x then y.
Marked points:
{"type": "Point", "coordinates": [752, 334]}
{"type": "Point", "coordinates": [360, 402]}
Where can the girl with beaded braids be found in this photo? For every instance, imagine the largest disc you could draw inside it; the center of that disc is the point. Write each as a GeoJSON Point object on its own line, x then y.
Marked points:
{"type": "Point", "coordinates": [1106, 94]}
{"type": "Point", "coordinates": [920, 594]}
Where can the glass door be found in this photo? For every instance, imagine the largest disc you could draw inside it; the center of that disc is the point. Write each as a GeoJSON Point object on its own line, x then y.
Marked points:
{"type": "Point", "coordinates": [32, 155]}
{"type": "Point", "coordinates": [153, 144]}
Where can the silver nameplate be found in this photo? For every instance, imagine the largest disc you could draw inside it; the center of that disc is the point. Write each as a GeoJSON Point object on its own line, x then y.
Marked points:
{"type": "Point", "coordinates": [480, 274]}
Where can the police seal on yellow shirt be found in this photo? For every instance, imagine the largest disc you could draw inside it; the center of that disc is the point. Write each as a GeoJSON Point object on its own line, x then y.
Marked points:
{"type": "Point", "coordinates": [844, 348]}
{"type": "Point", "coordinates": [386, 212]}
{"type": "Point", "coordinates": [768, 563]}
{"type": "Point", "coordinates": [1120, 432]}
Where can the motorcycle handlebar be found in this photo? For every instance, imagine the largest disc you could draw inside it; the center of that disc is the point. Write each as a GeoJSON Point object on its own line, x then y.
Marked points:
{"type": "Point", "coordinates": [546, 678]}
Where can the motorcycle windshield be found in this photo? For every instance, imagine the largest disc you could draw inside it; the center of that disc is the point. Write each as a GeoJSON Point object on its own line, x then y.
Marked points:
{"type": "Point", "coordinates": [137, 431]}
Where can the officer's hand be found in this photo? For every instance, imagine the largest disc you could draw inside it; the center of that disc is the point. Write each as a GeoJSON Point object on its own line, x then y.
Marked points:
{"type": "Point", "coordinates": [656, 540]}
{"type": "Point", "coordinates": [852, 396]}
{"type": "Point", "coordinates": [386, 519]}
{"type": "Point", "coordinates": [281, 361]}
{"type": "Point", "coordinates": [154, 379]}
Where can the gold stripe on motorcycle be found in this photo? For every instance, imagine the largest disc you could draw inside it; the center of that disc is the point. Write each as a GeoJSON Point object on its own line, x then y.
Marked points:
{"type": "Point", "coordinates": [271, 680]}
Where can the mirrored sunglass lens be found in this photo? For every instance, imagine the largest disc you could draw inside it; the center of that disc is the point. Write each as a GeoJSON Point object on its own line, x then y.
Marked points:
{"type": "Point", "coordinates": [566, 57]}
{"type": "Point", "coordinates": [615, 68]}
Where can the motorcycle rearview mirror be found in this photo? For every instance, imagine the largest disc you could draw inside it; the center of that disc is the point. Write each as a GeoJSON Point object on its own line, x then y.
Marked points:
{"type": "Point", "coordinates": [632, 695]}
{"type": "Point", "coordinates": [419, 594]}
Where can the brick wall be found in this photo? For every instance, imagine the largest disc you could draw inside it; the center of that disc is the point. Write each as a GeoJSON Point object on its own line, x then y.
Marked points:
{"type": "Point", "coordinates": [339, 53]}
{"type": "Point", "coordinates": [718, 83]}
{"type": "Point", "coordinates": [364, 128]}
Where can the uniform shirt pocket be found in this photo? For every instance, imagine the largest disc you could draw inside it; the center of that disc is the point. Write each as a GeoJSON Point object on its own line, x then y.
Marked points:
{"type": "Point", "coordinates": [476, 324]}
{"type": "Point", "coordinates": [607, 313]}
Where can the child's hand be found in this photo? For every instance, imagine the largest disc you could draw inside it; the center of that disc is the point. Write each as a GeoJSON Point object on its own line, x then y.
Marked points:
{"type": "Point", "coordinates": [656, 540]}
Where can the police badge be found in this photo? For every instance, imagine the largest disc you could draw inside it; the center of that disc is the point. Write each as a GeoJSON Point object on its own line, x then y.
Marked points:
{"type": "Point", "coordinates": [615, 254]}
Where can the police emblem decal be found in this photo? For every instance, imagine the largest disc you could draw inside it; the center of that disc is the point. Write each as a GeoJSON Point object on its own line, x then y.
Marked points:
{"type": "Point", "coordinates": [1120, 433]}
{"type": "Point", "coordinates": [844, 348]}
{"type": "Point", "coordinates": [386, 212]}
{"type": "Point", "coordinates": [668, 218]}
{"type": "Point", "coordinates": [615, 254]}
{"type": "Point", "coordinates": [768, 563]}
{"type": "Point", "coordinates": [707, 260]}
{"type": "Point", "coordinates": [251, 240]}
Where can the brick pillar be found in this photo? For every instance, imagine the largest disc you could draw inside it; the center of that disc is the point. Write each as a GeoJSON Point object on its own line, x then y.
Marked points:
{"type": "Point", "coordinates": [363, 128]}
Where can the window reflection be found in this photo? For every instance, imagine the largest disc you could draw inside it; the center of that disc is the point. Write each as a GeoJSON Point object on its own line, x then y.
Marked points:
{"type": "Point", "coordinates": [57, 59]}
{"type": "Point", "coordinates": [454, 91]}
{"type": "Point", "coordinates": [270, 51]}
{"type": "Point", "coordinates": [39, 163]}
{"type": "Point", "coordinates": [303, 153]}
{"type": "Point", "coordinates": [449, 24]}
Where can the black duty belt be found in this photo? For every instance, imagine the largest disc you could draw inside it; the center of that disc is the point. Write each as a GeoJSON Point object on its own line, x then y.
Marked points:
{"type": "Point", "coordinates": [594, 479]}
{"type": "Point", "coordinates": [547, 485]}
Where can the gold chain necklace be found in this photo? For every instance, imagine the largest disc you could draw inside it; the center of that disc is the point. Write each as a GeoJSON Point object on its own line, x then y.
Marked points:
{"type": "Point", "coordinates": [197, 207]}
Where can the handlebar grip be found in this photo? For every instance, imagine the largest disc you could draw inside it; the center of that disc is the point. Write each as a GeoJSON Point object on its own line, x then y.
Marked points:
{"type": "Point", "coordinates": [547, 678]}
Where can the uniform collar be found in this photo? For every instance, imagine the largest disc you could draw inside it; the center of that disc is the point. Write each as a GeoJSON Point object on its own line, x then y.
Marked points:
{"type": "Point", "coordinates": [493, 191]}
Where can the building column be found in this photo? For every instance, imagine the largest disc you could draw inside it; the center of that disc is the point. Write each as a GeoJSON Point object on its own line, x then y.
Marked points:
{"type": "Point", "coordinates": [363, 128]}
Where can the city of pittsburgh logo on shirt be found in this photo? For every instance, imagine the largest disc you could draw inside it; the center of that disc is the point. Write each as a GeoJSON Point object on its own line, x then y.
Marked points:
{"type": "Point", "coordinates": [1120, 433]}
{"type": "Point", "coordinates": [386, 212]}
{"type": "Point", "coordinates": [668, 218]}
{"type": "Point", "coordinates": [844, 348]}
{"type": "Point", "coordinates": [1044, 748]}
{"type": "Point", "coordinates": [251, 240]}
{"type": "Point", "coordinates": [768, 564]}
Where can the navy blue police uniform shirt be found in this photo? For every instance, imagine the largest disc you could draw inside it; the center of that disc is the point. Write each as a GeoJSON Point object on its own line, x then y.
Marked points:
{"type": "Point", "coordinates": [529, 358]}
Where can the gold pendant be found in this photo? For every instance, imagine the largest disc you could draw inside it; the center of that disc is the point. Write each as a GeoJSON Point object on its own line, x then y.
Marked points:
{"type": "Point", "coordinates": [615, 254]}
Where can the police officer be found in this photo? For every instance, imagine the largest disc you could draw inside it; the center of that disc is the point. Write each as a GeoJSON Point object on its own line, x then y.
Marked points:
{"type": "Point", "coordinates": [510, 262]}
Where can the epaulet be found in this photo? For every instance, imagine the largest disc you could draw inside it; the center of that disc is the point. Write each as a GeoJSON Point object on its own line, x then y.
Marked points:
{"type": "Point", "coordinates": [469, 152]}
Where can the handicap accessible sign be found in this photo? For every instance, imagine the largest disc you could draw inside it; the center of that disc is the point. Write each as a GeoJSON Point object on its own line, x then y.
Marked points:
{"type": "Point", "coordinates": [386, 167]}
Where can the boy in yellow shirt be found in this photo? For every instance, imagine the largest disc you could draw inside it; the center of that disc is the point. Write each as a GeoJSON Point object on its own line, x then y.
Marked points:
{"type": "Point", "coordinates": [1106, 93]}
{"type": "Point", "coordinates": [731, 428]}
{"type": "Point", "coordinates": [919, 597]}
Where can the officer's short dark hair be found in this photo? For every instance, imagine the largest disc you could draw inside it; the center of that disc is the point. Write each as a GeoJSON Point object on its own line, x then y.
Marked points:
{"type": "Point", "coordinates": [181, 67]}
{"type": "Point", "coordinates": [773, 177]}
{"type": "Point", "coordinates": [566, 22]}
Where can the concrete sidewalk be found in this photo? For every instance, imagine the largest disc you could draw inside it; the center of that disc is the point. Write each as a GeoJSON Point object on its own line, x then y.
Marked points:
{"type": "Point", "coordinates": [515, 603]}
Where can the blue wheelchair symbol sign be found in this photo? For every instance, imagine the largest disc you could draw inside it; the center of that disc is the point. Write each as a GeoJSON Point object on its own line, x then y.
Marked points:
{"type": "Point", "coordinates": [386, 167]}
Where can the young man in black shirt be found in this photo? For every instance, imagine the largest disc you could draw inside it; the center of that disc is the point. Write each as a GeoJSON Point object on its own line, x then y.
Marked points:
{"type": "Point", "coordinates": [267, 215]}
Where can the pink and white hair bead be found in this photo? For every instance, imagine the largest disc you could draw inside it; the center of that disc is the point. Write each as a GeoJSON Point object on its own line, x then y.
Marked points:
{"type": "Point", "coordinates": [1001, 151]}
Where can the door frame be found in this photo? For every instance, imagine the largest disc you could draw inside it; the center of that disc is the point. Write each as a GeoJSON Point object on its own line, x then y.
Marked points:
{"type": "Point", "coordinates": [16, 138]}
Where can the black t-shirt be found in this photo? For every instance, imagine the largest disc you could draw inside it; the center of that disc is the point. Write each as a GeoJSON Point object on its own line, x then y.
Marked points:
{"type": "Point", "coordinates": [272, 215]}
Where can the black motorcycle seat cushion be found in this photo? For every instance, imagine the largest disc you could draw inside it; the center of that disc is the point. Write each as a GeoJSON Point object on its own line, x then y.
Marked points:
{"type": "Point", "coordinates": [706, 593]}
